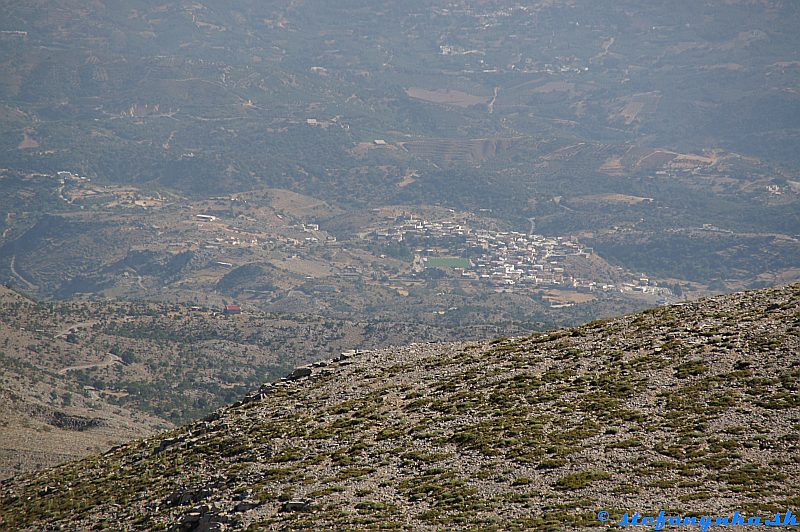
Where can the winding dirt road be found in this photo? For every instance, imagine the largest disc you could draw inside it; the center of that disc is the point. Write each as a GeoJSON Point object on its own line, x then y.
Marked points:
{"type": "Point", "coordinates": [110, 360]}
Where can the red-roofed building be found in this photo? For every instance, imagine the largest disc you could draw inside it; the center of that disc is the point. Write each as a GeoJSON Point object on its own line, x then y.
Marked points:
{"type": "Point", "coordinates": [232, 309]}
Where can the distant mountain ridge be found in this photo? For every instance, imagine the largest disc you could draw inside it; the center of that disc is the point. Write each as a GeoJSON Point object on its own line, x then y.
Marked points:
{"type": "Point", "coordinates": [691, 409]}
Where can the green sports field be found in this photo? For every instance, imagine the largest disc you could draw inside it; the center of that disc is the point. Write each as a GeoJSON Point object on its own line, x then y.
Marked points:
{"type": "Point", "coordinates": [447, 262]}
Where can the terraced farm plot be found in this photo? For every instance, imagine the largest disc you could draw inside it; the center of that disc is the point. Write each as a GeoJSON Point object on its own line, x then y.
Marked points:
{"type": "Point", "coordinates": [458, 151]}
{"type": "Point", "coordinates": [445, 96]}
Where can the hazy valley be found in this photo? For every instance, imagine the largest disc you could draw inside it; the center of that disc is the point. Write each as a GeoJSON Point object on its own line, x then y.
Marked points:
{"type": "Point", "coordinates": [196, 198]}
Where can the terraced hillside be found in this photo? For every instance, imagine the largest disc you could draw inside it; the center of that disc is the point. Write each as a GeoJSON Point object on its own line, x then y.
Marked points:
{"type": "Point", "coordinates": [690, 409]}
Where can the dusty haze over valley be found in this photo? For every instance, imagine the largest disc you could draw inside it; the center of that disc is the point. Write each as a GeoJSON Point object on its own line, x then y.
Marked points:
{"type": "Point", "coordinates": [199, 199]}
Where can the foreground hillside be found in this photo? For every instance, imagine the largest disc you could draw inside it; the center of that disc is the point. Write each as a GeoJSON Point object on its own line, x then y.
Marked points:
{"type": "Point", "coordinates": [689, 409]}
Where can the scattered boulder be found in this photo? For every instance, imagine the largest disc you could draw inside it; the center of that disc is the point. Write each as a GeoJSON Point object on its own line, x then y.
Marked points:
{"type": "Point", "coordinates": [167, 443]}
{"type": "Point", "coordinates": [245, 506]}
{"type": "Point", "coordinates": [201, 519]}
{"type": "Point", "coordinates": [185, 496]}
{"type": "Point", "coordinates": [213, 416]}
{"type": "Point", "coordinates": [299, 373]}
{"type": "Point", "coordinates": [298, 505]}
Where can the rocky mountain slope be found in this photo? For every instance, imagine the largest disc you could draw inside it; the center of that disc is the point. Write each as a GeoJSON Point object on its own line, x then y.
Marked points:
{"type": "Point", "coordinates": [691, 409]}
